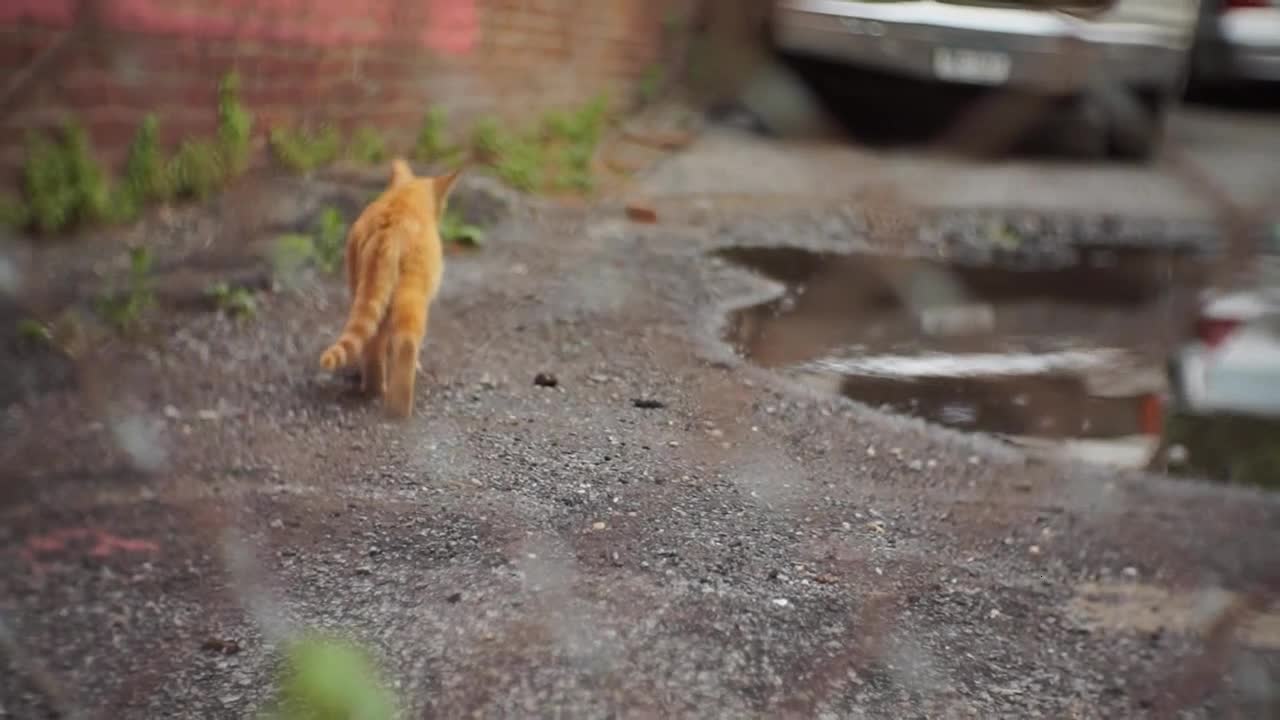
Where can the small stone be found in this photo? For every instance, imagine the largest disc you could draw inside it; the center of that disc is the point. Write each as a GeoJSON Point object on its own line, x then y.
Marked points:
{"type": "Point", "coordinates": [220, 646]}
{"type": "Point", "coordinates": [546, 379]}
{"type": "Point", "coordinates": [871, 451]}
{"type": "Point", "coordinates": [598, 525]}
{"type": "Point", "coordinates": [1130, 572]}
{"type": "Point", "coordinates": [1034, 549]}
{"type": "Point", "coordinates": [673, 443]}
{"type": "Point", "coordinates": [994, 614]}
{"type": "Point", "coordinates": [208, 415]}
{"type": "Point", "coordinates": [276, 524]}
{"type": "Point", "coordinates": [915, 465]}
{"type": "Point", "coordinates": [648, 404]}
{"type": "Point", "coordinates": [641, 213]}
{"type": "Point", "coordinates": [171, 412]}
{"type": "Point", "coordinates": [781, 602]}
{"type": "Point", "coordinates": [454, 598]}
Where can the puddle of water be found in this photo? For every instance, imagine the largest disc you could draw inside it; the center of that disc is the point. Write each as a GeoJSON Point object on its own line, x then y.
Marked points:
{"type": "Point", "coordinates": [1068, 350]}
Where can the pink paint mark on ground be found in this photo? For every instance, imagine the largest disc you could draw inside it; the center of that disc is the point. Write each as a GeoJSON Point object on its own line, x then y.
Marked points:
{"type": "Point", "coordinates": [452, 26]}
{"type": "Point", "coordinates": [105, 544]}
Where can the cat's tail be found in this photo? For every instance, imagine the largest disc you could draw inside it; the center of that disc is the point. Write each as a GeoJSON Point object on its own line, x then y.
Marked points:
{"type": "Point", "coordinates": [378, 276]}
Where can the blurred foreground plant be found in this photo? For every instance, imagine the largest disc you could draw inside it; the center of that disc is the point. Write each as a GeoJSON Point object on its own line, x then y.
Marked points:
{"type": "Point", "coordinates": [327, 678]}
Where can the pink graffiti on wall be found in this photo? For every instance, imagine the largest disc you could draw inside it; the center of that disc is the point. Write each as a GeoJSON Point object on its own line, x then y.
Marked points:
{"type": "Point", "coordinates": [449, 26]}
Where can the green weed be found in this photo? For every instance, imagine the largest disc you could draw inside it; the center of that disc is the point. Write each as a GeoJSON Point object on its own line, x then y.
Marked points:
{"type": "Point", "coordinates": [367, 146]}
{"type": "Point", "coordinates": [454, 229]}
{"type": "Point", "coordinates": [330, 679]}
{"type": "Point", "coordinates": [330, 239]}
{"type": "Point", "coordinates": [433, 144]}
{"type": "Point", "coordinates": [34, 333]}
{"type": "Point", "coordinates": [235, 301]}
{"type": "Point", "coordinates": [63, 182]}
{"type": "Point", "coordinates": [487, 139]}
{"type": "Point", "coordinates": [123, 309]}
{"type": "Point", "coordinates": [197, 170]}
{"type": "Point", "coordinates": [520, 164]}
{"type": "Point", "coordinates": [235, 126]}
{"type": "Point", "coordinates": [291, 254]}
{"type": "Point", "coordinates": [302, 151]}
{"type": "Point", "coordinates": [324, 248]}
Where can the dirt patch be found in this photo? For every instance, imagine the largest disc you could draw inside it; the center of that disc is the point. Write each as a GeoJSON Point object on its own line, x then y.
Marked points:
{"type": "Point", "coordinates": [1139, 607]}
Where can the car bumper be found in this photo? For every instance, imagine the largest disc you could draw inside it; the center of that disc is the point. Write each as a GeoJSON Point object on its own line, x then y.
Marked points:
{"type": "Point", "coordinates": [1041, 52]}
{"type": "Point", "coordinates": [1245, 46]}
{"type": "Point", "coordinates": [1196, 389]}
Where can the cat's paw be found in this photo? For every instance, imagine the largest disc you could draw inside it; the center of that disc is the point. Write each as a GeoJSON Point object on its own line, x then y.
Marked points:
{"type": "Point", "coordinates": [333, 358]}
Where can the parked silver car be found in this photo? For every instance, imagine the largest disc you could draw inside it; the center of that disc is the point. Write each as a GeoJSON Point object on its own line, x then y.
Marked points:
{"type": "Point", "coordinates": [1237, 41]}
{"type": "Point", "coordinates": [1129, 59]}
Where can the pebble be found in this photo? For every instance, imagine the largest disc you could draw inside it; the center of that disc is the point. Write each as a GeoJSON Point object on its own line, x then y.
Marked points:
{"type": "Point", "coordinates": [1130, 572]}
{"type": "Point", "coordinates": [546, 379]}
{"type": "Point", "coordinates": [782, 602]}
{"type": "Point", "coordinates": [1034, 549]}
{"type": "Point", "coordinates": [598, 525]}
{"type": "Point", "coordinates": [916, 465]}
{"type": "Point", "coordinates": [171, 412]}
{"type": "Point", "coordinates": [209, 415]}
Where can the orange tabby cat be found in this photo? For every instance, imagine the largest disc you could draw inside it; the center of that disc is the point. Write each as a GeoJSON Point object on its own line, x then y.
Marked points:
{"type": "Point", "coordinates": [394, 264]}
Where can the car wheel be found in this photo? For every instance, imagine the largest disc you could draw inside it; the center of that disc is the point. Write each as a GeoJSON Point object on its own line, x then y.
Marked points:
{"type": "Point", "coordinates": [1136, 126]}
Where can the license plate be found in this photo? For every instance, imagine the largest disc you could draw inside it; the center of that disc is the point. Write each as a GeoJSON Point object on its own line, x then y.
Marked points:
{"type": "Point", "coordinates": [980, 67]}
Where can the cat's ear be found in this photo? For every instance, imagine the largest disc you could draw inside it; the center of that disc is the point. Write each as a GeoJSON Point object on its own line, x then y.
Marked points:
{"type": "Point", "coordinates": [443, 184]}
{"type": "Point", "coordinates": [401, 173]}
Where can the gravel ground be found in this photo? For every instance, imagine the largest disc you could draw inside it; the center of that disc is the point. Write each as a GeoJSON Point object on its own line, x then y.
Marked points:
{"type": "Point", "coordinates": [654, 530]}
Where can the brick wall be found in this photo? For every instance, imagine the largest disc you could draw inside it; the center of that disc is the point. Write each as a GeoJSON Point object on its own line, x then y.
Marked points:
{"type": "Point", "coordinates": [378, 62]}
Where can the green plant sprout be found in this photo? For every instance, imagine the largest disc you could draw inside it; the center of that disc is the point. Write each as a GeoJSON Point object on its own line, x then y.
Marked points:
{"type": "Point", "coordinates": [124, 309]}
{"type": "Point", "coordinates": [231, 300]}
{"type": "Point", "coordinates": [303, 151]}
{"type": "Point", "coordinates": [35, 333]}
{"type": "Point", "coordinates": [367, 146]}
{"type": "Point", "coordinates": [330, 239]}
{"type": "Point", "coordinates": [327, 678]}
{"type": "Point", "coordinates": [63, 182]}
{"type": "Point", "coordinates": [235, 126]}
{"type": "Point", "coordinates": [454, 229]}
{"type": "Point", "coordinates": [291, 254]}
{"type": "Point", "coordinates": [487, 139]}
{"type": "Point", "coordinates": [324, 248]}
{"type": "Point", "coordinates": [432, 144]}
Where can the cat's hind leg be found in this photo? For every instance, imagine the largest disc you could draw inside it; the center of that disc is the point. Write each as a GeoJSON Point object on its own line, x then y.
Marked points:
{"type": "Point", "coordinates": [373, 376]}
{"type": "Point", "coordinates": [408, 328]}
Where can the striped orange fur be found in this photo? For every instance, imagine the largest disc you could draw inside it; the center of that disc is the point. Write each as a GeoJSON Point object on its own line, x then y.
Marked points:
{"type": "Point", "coordinates": [394, 265]}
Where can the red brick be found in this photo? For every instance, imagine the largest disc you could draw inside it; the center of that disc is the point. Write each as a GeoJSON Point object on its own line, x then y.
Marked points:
{"type": "Point", "coordinates": [531, 55]}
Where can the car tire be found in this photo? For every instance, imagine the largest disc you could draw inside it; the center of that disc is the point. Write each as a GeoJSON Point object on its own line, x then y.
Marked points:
{"type": "Point", "coordinates": [1136, 128]}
